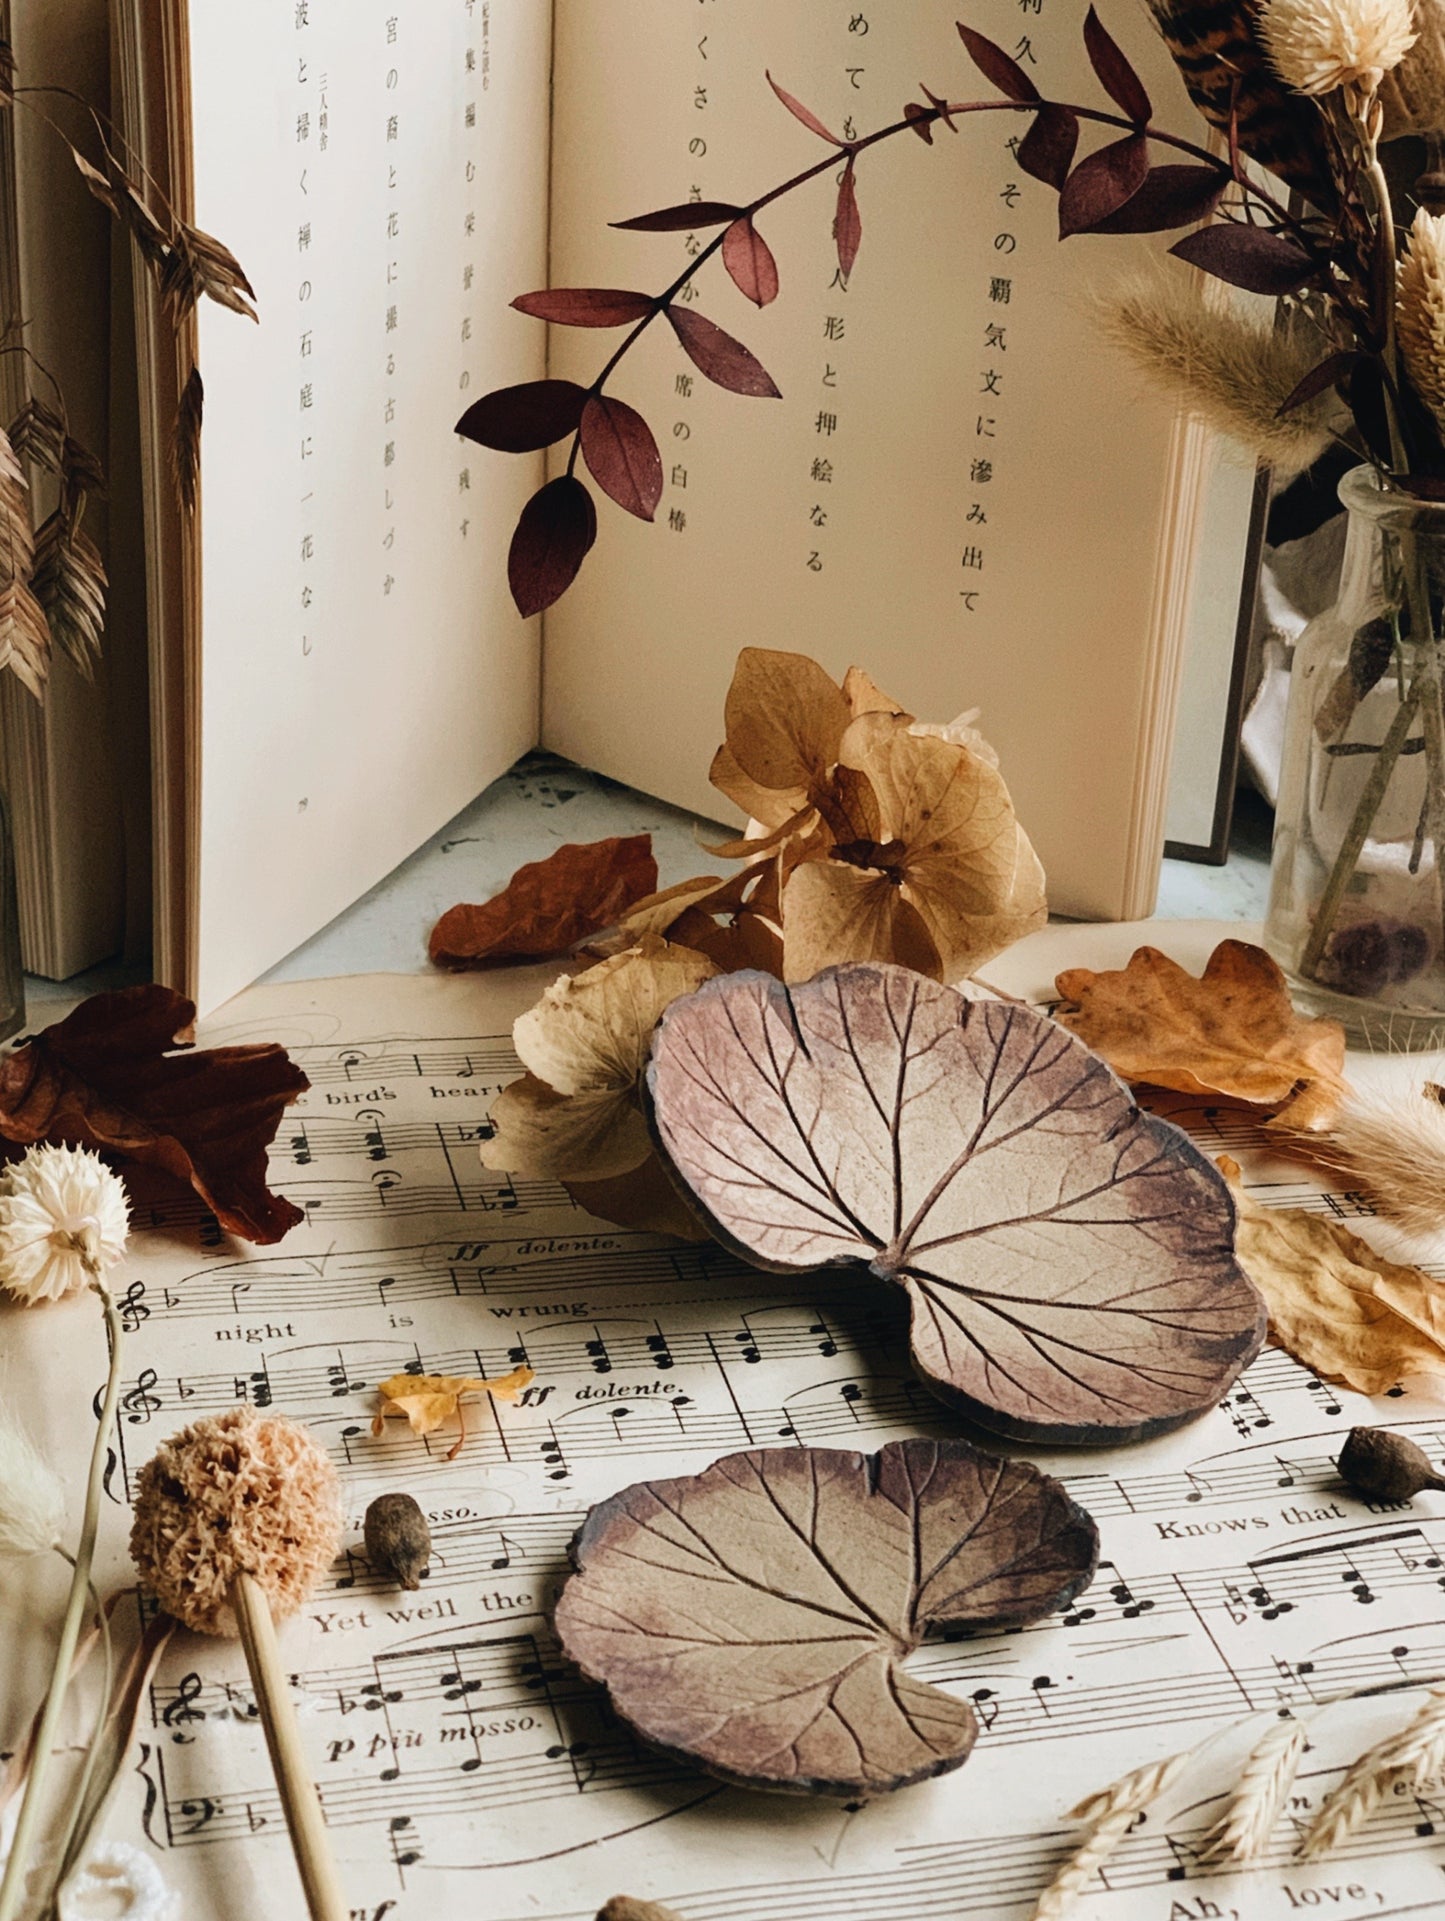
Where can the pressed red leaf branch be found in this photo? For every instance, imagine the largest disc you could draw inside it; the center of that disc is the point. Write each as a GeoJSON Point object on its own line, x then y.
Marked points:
{"type": "Point", "coordinates": [1113, 189]}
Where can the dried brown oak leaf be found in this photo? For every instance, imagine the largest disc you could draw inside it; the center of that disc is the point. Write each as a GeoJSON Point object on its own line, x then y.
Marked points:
{"type": "Point", "coordinates": [753, 1619]}
{"type": "Point", "coordinates": [1334, 1303]}
{"type": "Point", "coordinates": [549, 905]}
{"type": "Point", "coordinates": [1232, 1032]}
{"type": "Point", "coordinates": [103, 1078]}
{"type": "Point", "coordinates": [1068, 1259]}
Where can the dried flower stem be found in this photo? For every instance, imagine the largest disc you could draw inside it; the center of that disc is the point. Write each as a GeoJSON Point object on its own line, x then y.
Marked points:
{"type": "Point", "coordinates": [12, 1886]}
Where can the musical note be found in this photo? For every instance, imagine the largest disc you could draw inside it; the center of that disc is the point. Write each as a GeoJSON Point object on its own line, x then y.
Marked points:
{"type": "Point", "coordinates": [596, 1349]}
{"type": "Point", "coordinates": [300, 1145]}
{"type": "Point", "coordinates": [552, 1454]}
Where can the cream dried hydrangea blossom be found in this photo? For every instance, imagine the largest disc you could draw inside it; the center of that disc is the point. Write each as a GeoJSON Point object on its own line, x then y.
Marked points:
{"type": "Point", "coordinates": [63, 1222]}
{"type": "Point", "coordinates": [1318, 46]}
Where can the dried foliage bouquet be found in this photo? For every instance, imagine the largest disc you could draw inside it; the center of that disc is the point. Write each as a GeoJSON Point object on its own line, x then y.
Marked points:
{"type": "Point", "coordinates": [1286, 197]}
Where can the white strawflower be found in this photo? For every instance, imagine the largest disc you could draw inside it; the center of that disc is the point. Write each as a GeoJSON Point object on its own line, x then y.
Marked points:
{"type": "Point", "coordinates": [32, 1496]}
{"type": "Point", "coordinates": [63, 1219]}
{"type": "Point", "coordinates": [1420, 310]}
{"type": "Point", "coordinates": [1319, 45]}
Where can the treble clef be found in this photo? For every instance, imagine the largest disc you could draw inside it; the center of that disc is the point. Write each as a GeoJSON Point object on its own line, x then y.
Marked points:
{"type": "Point", "coordinates": [132, 1306]}
{"type": "Point", "coordinates": [183, 1709]}
{"type": "Point", "coordinates": [138, 1402]}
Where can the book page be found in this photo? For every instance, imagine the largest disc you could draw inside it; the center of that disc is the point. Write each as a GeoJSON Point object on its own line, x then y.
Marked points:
{"type": "Point", "coordinates": [380, 172]}
{"type": "Point", "coordinates": [960, 489]}
{"type": "Point", "coordinates": [464, 1769]}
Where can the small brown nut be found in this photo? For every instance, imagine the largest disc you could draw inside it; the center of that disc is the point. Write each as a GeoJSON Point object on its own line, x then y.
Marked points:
{"type": "Point", "coordinates": [398, 1540]}
{"type": "Point", "coordinates": [622, 1907]}
{"type": "Point", "coordinates": [1386, 1466]}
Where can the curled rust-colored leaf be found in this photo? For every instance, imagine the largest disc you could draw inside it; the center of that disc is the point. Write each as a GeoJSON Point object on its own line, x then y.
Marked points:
{"type": "Point", "coordinates": [1231, 1032]}
{"type": "Point", "coordinates": [799, 112]}
{"type": "Point", "coordinates": [585, 306]}
{"type": "Point", "coordinates": [995, 65]}
{"type": "Point", "coordinates": [553, 537]}
{"type": "Point", "coordinates": [749, 259]}
{"type": "Point", "coordinates": [1068, 1258]}
{"type": "Point", "coordinates": [689, 214]}
{"type": "Point", "coordinates": [1101, 184]}
{"type": "Point", "coordinates": [522, 419]}
{"type": "Point", "coordinates": [1248, 257]}
{"type": "Point", "coordinates": [1116, 76]}
{"type": "Point", "coordinates": [725, 361]}
{"type": "Point", "coordinates": [752, 1619]}
{"type": "Point", "coordinates": [104, 1077]}
{"type": "Point", "coordinates": [549, 905]}
{"type": "Point", "coordinates": [847, 221]}
{"type": "Point", "coordinates": [621, 454]}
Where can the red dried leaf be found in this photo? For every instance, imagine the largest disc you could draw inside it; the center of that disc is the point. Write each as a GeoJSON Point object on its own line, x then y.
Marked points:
{"type": "Point", "coordinates": [103, 1078]}
{"type": "Point", "coordinates": [847, 222]}
{"type": "Point", "coordinates": [1171, 196]}
{"type": "Point", "coordinates": [585, 306]}
{"type": "Point", "coordinates": [519, 420]}
{"type": "Point", "coordinates": [1329, 372]}
{"type": "Point", "coordinates": [1248, 257]}
{"type": "Point", "coordinates": [800, 112]}
{"type": "Point", "coordinates": [724, 360]}
{"type": "Point", "coordinates": [1117, 77]}
{"type": "Point", "coordinates": [749, 259]}
{"type": "Point", "coordinates": [549, 905]}
{"type": "Point", "coordinates": [681, 219]}
{"type": "Point", "coordinates": [921, 119]}
{"type": "Point", "coordinates": [1047, 149]}
{"type": "Point", "coordinates": [622, 455]}
{"type": "Point", "coordinates": [557, 527]}
{"type": "Point", "coordinates": [995, 65]}
{"type": "Point", "coordinates": [1100, 184]}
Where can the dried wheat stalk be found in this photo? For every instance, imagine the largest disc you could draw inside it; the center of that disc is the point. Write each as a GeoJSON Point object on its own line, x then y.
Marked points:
{"type": "Point", "coordinates": [1111, 1813]}
{"type": "Point", "coordinates": [1243, 1830]}
{"type": "Point", "coordinates": [1412, 1755]}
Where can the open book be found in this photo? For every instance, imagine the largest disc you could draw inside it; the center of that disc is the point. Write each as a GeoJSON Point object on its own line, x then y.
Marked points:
{"type": "Point", "coordinates": [958, 488]}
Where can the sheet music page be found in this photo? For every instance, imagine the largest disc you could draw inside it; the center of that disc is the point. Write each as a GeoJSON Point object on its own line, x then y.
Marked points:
{"type": "Point", "coordinates": [464, 1770]}
{"type": "Point", "coordinates": [381, 173]}
{"type": "Point", "coordinates": [960, 485]}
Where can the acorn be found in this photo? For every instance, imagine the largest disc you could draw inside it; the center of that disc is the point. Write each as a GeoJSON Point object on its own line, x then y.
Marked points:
{"type": "Point", "coordinates": [398, 1540]}
{"type": "Point", "coordinates": [1386, 1466]}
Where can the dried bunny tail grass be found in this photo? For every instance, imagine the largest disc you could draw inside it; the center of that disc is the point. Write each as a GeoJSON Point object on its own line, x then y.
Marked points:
{"type": "Point", "coordinates": [1243, 1831]}
{"type": "Point", "coordinates": [236, 1494]}
{"type": "Point", "coordinates": [1410, 1756]}
{"type": "Point", "coordinates": [1234, 372]}
{"type": "Point", "coordinates": [1420, 310]}
{"type": "Point", "coordinates": [32, 1495]}
{"type": "Point", "coordinates": [1393, 1145]}
{"type": "Point", "coordinates": [1112, 1813]}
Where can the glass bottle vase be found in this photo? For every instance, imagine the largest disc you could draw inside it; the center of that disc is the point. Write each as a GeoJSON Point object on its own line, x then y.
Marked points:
{"type": "Point", "coordinates": [1356, 911]}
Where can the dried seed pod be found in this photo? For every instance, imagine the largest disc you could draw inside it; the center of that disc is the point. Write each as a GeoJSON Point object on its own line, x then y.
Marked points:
{"type": "Point", "coordinates": [1386, 1466]}
{"type": "Point", "coordinates": [622, 1907]}
{"type": "Point", "coordinates": [398, 1540]}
